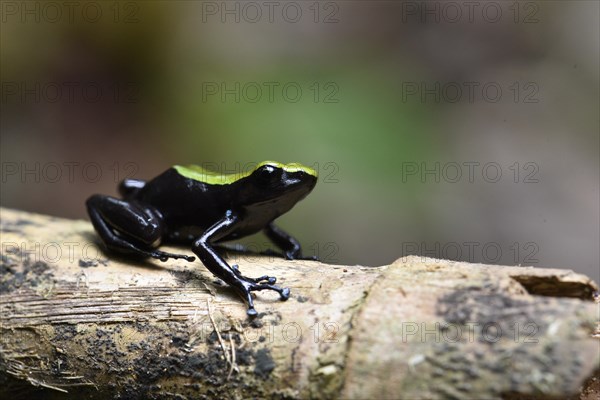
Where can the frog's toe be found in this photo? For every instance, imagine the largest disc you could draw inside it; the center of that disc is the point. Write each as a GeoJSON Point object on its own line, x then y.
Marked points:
{"type": "Point", "coordinates": [284, 293]}
{"type": "Point", "coordinates": [251, 312]}
{"type": "Point", "coordinates": [265, 279]}
{"type": "Point", "coordinates": [260, 280]}
{"type": "Point", "coordinates": [164, 256]}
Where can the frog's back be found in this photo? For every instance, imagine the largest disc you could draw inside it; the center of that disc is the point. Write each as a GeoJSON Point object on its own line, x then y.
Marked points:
{"type": "Point", "coordinates": [184, 201]}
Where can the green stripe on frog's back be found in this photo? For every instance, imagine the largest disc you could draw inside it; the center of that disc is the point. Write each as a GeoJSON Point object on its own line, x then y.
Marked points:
{"type": "Point", "coordinates": [204, 175]}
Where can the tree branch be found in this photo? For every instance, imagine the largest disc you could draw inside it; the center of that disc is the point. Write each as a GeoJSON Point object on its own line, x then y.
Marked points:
{"type": "Point", "coordinates": [78, 321]}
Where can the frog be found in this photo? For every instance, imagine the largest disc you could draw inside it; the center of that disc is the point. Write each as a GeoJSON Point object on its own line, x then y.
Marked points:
{"type": "Point", "coordinates": [192, 206]}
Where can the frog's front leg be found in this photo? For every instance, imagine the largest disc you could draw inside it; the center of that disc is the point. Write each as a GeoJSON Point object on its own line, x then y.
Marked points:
{"type": "Point", "coordinates": [218, 266]}
{"type": "Point", "coordinates": [260, 279]}
{"type": "Point", "coordinates": [286, 242]}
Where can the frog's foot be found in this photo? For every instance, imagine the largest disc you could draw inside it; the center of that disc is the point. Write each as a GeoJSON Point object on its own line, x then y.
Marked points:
{"type": "Point", "coordinates": [284, 293]}
{"type": "Point", "coordinates": [260, 279]}
{"type": "Point", "coordinates": [289, 255]}
{"type": "Point", "coordinates": [164, 256]}
{"type": "Point", "coordinates": [305, 258]}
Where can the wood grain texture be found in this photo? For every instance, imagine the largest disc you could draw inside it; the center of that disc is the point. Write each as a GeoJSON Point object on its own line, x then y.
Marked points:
{"type": "Point", "coordinates": [79, 323]}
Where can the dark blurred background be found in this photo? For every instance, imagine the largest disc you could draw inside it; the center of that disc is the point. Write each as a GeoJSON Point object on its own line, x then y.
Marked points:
{"type": "Point", "coordinates": [461, 130]}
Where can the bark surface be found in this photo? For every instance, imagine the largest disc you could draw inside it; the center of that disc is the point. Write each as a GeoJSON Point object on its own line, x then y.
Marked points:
{"type": "Point", "coordinates": [79, 323]}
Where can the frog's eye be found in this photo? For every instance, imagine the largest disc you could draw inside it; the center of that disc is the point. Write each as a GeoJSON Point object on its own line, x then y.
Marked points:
{"type": "Point", "coordinates": [267, 174]}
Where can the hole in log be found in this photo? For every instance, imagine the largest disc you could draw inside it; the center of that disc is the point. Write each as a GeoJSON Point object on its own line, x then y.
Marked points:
{"type": "Point", "coordinates": [554, 286]}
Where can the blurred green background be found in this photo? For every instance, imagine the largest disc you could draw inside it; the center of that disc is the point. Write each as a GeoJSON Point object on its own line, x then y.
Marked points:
{"type": "Point", "coordinates": [461, 130]}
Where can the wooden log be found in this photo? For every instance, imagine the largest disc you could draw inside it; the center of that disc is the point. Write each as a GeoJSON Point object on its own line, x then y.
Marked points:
{"type": "Point", "coordinates": [79, 323]}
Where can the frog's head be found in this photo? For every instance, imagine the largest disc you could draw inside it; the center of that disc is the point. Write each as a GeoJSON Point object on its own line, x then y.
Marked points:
{"type": "Point", "coordinates": [280, 185]}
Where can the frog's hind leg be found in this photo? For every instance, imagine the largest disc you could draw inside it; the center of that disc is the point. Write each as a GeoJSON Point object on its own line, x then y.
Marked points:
{"type": "Point", "coordinates": [129, 187]}
{"type": "Point", "coordinates": [128, 227]}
